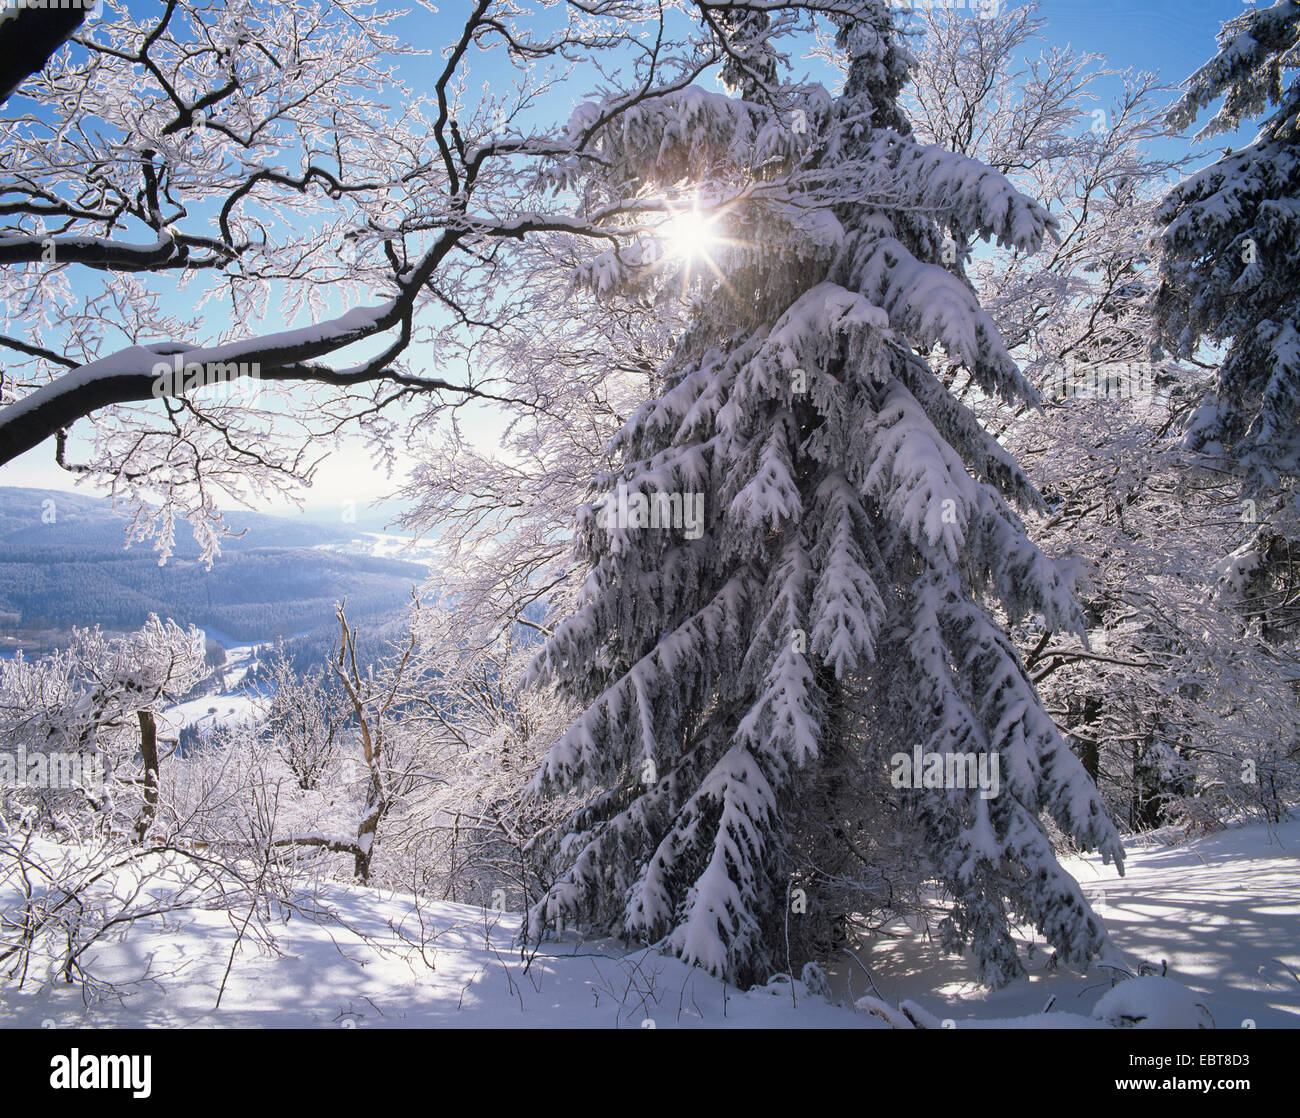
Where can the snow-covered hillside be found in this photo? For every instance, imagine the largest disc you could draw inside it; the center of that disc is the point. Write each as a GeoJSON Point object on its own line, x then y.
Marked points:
{"type": "Point", "coordinates": [1224, 913]}
{"type": "Point", "coordinates": [386, 545]}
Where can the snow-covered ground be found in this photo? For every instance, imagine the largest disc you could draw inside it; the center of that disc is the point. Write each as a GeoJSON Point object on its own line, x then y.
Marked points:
{"type": "Point", "coordinates": [387, 545]}
{"type": "Point", "coordinates": [1224, 913]}
{"type": "Point", "coordinates": [231, 707]}
{"type": "Point", "coordinates": [210, 711]}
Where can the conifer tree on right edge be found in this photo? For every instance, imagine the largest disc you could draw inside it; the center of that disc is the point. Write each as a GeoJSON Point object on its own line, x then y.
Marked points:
{"type": "Point", "coordinates": [1231, 239]}
{"type": "Point", "coordinates": [1231, 277]}
{"type": "Point", "coordinates": [745, 688]}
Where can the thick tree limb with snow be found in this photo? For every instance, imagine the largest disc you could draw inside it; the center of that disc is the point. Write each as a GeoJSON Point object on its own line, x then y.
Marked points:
{"type": "Point", "coordinates": [29, 35]}
{"type": "Point", "coordinates": [259, 154]}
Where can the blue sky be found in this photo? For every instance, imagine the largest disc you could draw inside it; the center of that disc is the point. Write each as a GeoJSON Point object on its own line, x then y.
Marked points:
{"type": "Point", "coordinates": [1173, 37]}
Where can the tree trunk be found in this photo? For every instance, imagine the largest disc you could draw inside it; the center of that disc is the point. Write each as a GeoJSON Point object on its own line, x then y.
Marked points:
{"type": "Point", "coordinates": [149, 752]}
{"type": "Point", "coordinates": [1083, 716]}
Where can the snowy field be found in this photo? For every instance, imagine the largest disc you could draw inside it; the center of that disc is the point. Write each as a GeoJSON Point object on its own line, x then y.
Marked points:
{"type": "Point", "coordinates": [1223, 913]}
{"type": "Point", "coordinates": [230, 708]}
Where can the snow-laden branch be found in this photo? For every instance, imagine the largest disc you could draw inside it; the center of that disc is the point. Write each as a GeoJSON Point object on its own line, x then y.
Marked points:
{"type": "Point", "coordinates": [29, 35]}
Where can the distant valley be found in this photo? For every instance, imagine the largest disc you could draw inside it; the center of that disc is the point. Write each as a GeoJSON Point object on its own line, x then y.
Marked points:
{"type": "Point", "coordinates": [63, 562]}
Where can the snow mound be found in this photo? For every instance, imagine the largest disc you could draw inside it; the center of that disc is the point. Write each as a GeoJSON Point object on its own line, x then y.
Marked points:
{"type": "Point", "coordinates": [1152, 1003]}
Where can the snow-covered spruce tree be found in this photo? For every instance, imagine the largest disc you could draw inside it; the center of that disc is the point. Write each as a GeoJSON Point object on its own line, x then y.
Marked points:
{"type": "Point", "coordinates": [1232, 246]}
{"type": "Point", "coordinates": [1231, 240]}
{"type": "Point", "coordinates": [1179, 711]}
{"type": "Point", "coordinates": [841, 598]}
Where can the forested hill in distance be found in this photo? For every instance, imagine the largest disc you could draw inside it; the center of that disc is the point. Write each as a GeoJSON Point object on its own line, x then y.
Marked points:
{"type": "Point", "coordinates": [63, 562]}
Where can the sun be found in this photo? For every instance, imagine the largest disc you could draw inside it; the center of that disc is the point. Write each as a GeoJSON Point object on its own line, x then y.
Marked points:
{"type": "Point", "coordinates": [690, 235]}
